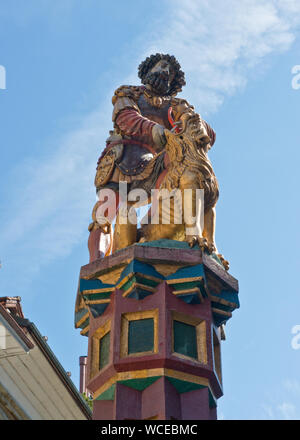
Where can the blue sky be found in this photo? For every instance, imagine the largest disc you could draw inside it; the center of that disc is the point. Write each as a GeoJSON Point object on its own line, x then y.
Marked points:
{"type": "Point", "coordinates": [63, 60]}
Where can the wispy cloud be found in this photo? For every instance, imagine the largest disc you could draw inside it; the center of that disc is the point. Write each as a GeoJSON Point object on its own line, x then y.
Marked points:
{"type": "Point", "coordinates": [268, 412]}
{"type": "Point", "coordinates": [288, 411]}
{"type": "Point", "coordinates": [284, 403]}
{"type": "Point", "coordinates": [281, 411]}
{"type": "Point", "coordinates": [217, 43]}
{"type": "Point", "coordinates": [50, 214]}
{"type": "Point", "coordinates": [292, 386]}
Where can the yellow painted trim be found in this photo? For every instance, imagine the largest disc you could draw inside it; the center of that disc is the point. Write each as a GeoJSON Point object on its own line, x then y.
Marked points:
{"type": "Point", "coordinates": [138, 274]}
{"type": "Point", "coordinates": [139, 285]}
{"type": "Point", "coordinates": [97, 301]}
{"type": "Point", "coordinates": [201, 342]}
{"type": "Point", "coordinates": [223, 301]}
{"type": "Point", "coordinates": [94, 291]}
{"type": "Point", "coordinates": [185, 291]}
{"type": "Point", "coordinates": [106, 386]}
{"type": "Point", "coordinates": [149, 277]}
{"type": "Point", "coordinates": [167, 269]}
{"type": "Point", "coordinates": [140, 374]}
{"type": "Point", "coordinates": [124, 280]}
{"type": "Point", "coordinates": [85, 330]}
{"type": "Point", "coordinates": [221, 312]}
{"type": "Point", "coordinates": [186, 377]}
{"type": "Point", "coordinates": [81, 320]}
{"type": "Point", "coordinates": [193, 290]}
{"type": "Point", "coordinates": [184, 280]}
{"type": "Point", "coordinates": [95, 361]}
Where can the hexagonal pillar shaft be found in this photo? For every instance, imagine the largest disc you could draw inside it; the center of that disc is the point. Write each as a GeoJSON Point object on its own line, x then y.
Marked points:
{"type": "Point", "coordinates": [153, 316]}
{"type": "Point", "coordinates": [163, 384]}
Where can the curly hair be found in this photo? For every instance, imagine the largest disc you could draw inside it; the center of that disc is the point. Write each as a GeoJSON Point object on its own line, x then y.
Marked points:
{"type": "Point", "coordinates": [178, 81]}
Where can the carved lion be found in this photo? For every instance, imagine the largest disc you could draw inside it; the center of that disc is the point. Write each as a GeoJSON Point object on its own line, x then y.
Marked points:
{"type": "Point", "coordinates": [188, 169]}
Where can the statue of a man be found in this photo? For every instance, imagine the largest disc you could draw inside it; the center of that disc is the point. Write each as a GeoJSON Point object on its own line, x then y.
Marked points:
{"type": "Point", "coordinates": [140, 116]}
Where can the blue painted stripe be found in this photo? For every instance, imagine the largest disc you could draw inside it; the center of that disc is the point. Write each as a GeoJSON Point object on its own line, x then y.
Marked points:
{"type": "Point", "coordinates": [92, 284]}
{"type": "Point", "coordinates": [188, 272]}
{"type": "Point", "coordinates": [230, 296]}
{"type": "Point", "coordinates": [137, 266]}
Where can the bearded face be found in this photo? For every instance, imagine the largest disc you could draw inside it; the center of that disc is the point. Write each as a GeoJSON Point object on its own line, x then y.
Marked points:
{"type": "Point", "coordinates": [160, 78]}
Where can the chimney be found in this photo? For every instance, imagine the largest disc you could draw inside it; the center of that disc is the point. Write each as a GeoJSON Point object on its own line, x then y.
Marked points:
{"type": "Point", "coordinates": [83, 365]}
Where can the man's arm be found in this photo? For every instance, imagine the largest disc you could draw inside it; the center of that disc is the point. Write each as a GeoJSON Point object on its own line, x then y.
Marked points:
{"type": "Point", "coordinates": [133, 124]}
{"type": "Point", "coordinates": [129, 121]}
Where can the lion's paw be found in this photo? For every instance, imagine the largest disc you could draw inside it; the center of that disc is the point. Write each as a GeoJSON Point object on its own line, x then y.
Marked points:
{"type": "Point", "coordinates": [195, 239]}
{"type": "Point", "coordinates": [224, 262]}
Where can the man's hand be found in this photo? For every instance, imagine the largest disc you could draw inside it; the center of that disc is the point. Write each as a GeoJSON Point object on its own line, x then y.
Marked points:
{"type": "Point", "coordinates": [177, 127]}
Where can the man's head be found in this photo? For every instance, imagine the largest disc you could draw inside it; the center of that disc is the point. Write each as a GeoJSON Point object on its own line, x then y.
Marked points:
{"type": "Point", "coordinates": [162, 73]}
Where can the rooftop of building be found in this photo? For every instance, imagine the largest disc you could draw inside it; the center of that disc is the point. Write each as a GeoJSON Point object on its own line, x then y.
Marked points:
{"type": "Point", "coordinates": [39, 377]}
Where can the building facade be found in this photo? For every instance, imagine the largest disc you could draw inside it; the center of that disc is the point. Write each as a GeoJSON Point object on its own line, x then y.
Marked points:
{"type": "Point", "coordinates": [33, 384]}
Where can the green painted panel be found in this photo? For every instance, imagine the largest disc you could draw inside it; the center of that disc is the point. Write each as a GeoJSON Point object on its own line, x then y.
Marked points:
{"type": "Point", "coordinates": [128, 284]}
{"type": "Point", "coordinates": [139, 384]}
{"type": "Point", "coordinates": [146, 281]}
{"type": "Point", "coordinates": [187, 285]}
{"type": "Point", "coordinates": [108, 394]}
{"type": "Point", "coordinates": [185, 339]}
{"type": "Point", "coordinates": [183, 386]}
{"type": "Point", "coordinates": [141, 335]}
{"type": "Point", "coordinates": [104, 350]}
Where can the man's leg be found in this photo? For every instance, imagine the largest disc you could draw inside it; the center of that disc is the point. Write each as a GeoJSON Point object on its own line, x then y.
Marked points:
{"type": "Point", "coordinates": [107, 207]}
